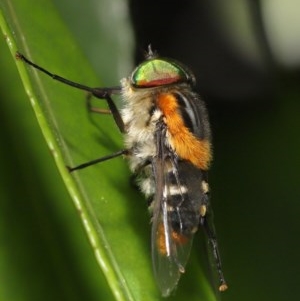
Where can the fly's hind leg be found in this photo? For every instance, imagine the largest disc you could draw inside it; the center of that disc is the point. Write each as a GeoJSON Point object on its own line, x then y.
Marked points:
{"type": "Point", "coordinates": [210, 232]}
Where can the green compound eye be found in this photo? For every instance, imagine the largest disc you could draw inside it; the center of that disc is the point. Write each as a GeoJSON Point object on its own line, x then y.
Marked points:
{"type": "Point", "coordinates": [159, 72]}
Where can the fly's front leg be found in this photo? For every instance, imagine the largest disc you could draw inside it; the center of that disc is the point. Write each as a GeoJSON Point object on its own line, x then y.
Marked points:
{"type": "Point", "coordinates": [101, 93]}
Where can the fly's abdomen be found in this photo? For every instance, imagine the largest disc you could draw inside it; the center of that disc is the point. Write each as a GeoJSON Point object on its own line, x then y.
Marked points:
{"type": "Point", "coordinates": [189, 200]}
{"type": "Point", "coordinates": [186, 197]}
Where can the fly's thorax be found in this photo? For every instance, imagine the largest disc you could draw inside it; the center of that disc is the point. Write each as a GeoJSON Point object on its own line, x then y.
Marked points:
{"type": "Point", "coordinates": [140, 117]}
{"type": "Point", "coordinates": [184, 114]}
{"type": "Point", "coordinates": [188, 131]}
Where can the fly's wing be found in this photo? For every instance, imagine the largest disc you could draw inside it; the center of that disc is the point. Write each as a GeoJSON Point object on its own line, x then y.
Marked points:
{"type": "Point", "coordinates": [171, 239]}
{"type": "Point", "coordinates": [170, 247]}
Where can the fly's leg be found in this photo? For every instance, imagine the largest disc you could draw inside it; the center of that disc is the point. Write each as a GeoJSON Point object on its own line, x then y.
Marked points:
{"type": "Point", "coordinates": [105, 93]}
{"type": "Point", "coordinates": [101, 93]}
{"type": "Point", "coordinates": [98, 160]}
{"type": "Point", "coordinates": [93, 109]}
{"type": "Point", "coordinates": [215, 249]}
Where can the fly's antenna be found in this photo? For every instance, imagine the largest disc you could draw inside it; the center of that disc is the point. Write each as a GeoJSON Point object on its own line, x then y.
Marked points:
{"type": "Point", "coordinates": [150, 54]}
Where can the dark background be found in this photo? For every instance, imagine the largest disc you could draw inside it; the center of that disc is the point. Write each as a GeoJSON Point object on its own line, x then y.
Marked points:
{"type": "Point", "coordinates": [254, 111]}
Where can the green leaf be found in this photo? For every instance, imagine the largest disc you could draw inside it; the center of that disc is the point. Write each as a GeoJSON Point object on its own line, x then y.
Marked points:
{"type": "Point", "coordinates": [112, 212]}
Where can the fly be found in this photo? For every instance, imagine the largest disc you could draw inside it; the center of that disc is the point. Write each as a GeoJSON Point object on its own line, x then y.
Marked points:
{"type": "Point", "coordinates": [168, 146]}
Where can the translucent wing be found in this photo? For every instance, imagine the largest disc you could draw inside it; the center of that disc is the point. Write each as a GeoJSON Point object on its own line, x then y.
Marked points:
{"type": "Point", "coordinates": [176, 214]}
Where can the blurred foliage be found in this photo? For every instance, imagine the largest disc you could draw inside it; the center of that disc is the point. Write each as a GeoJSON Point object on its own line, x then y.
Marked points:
{"type": "Point", "coordinates": [41, 246]}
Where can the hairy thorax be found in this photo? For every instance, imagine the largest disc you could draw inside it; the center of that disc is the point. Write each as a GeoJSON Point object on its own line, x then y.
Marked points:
{"type": "Point", "coordinates": [140, 117]}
